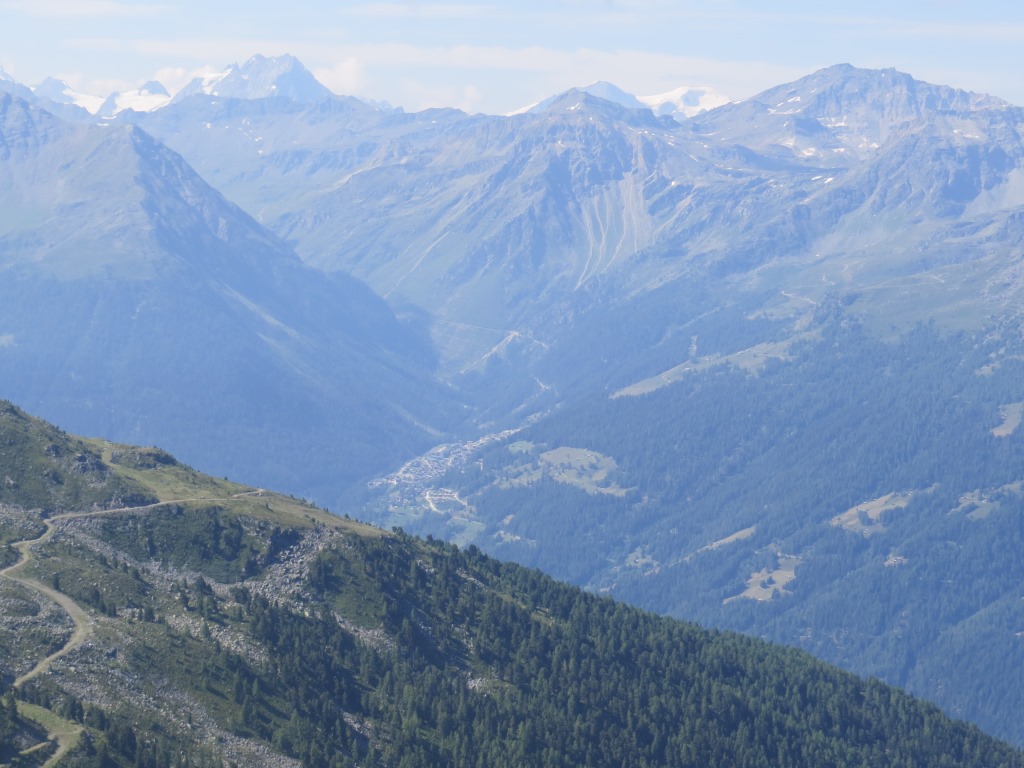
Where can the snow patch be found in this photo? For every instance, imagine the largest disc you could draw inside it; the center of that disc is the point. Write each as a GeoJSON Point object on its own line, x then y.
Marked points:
{"type": "Point", "coordinates": [60, 92]}
{"type": "Point", "coordinates": [150, 97]}
{"type": "Point", "coordinates": [686, 101]}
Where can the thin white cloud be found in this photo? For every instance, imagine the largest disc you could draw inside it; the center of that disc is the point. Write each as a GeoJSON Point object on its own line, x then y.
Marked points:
{"type": "Point", "coordinates": [487, 78]}
{"type": "Point", "coordinates": [628, 68]}
{"type": "Point", "coordinates": [420, 10]}
{"type": "Point", "coordinates": [345, 76]}
{"type": "Point", "coordinates": [501, 78]}
{"type": "Point", "coordinates": [172, 78]}
{"type": "Point", "coordinates": [81, 8]}
{"type": "Point", "coordinates": [645, 13]}
{"type": "Point", "coordinates": [176, 78]}
{"type": "Point", "coordinates": [1004, 33]}
{"type": "Point", "coordinates": [209, 50]}
{"type": "Point", "coordinates": [106, 87]}
{"type": "Point", "coordinates": [874, 24]}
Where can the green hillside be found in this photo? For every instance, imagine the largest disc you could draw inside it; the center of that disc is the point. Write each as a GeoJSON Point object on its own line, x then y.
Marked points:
{"type": "Point", "coordinates": [199, 622]}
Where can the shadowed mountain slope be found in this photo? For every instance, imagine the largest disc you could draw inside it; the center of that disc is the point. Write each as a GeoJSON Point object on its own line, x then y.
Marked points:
{"type": "Point", "coordinates": [137, 302]}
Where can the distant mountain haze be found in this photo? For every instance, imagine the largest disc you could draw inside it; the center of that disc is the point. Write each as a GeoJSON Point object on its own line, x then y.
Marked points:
{"type": "Point", "coordinates": [757, 366]}
{"type": "Point", "coordinates": [139, 302]}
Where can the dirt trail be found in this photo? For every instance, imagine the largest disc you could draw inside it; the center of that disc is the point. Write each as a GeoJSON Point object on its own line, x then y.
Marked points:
{"type": "Point", "coordinates": [82, 621]}
{"type": "Point", "coordinates": [83, 626]}
{"type": "Point", "coordinates": [67, 737]}
{"type": "Point", "coordinates": [64, 732]}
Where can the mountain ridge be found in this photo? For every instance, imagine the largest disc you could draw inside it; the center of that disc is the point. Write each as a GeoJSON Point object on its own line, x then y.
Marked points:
{"type": "Point", "coordinates": [328, 643]}
{"type": "Point", "coordinates": [680, 103]}
{"type": "Point", "coordinates": [573, 196]}
{"type": "Point", "coordinates": [261, 77]}
{"type": "Point", "coordinates": [156, 253]}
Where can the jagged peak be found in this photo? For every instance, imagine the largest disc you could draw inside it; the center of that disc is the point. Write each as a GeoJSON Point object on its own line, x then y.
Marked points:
{"type": "Point", "coordinates": [682, 102]}
{"type": "Point", "coordinates": [60, 92]}
{"type": "Point", "coordinates": [599, 89]}
{"type": "Point", "coordinates": [843, 82]}
{"type": "Point", "coordinates": [261, 77]}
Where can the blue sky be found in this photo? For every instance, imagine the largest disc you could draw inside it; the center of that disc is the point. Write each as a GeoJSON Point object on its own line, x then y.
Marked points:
{"type": "Point", "coordinates": [496, 57]}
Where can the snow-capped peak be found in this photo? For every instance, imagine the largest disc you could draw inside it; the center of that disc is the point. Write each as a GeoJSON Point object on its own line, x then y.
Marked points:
{"type": "Point", "coordinates": [60, 92]}
{"type": "Point", "coordinates": [258, 78]}
{"type": "Point", "coordinates": [9, 85]}
{"type": "Point", "coordinates": [600, 89]}
{"type": "Point", "coordinates": [204, 84]}
{"type": "Point", "coordinates": [612, 93]}
{"type": "Point", "coordinates": [686, 101]}
{"type": "Point", "coordinates": [150, 96]}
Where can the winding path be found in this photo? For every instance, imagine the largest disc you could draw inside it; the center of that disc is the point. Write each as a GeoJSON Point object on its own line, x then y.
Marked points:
{"type": "Point", "coordinates": [67, 736]}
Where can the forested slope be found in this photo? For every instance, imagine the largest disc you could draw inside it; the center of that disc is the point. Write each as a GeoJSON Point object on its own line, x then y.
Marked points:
{"type": "Point", "coordinates": [231, 625]}
{"type": "Point", "coordinates": [855, 496]}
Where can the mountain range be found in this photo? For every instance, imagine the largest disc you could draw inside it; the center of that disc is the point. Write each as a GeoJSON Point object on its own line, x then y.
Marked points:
{"type": "Point", "coordinates": [500, 226]}
{"type": "Point", "coordinates": [758, 367]}
{"type": "Point", "coordinates": [286, 77]}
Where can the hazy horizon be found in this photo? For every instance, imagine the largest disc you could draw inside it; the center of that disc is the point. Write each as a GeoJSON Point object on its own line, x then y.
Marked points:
{"type": "Point", "coordinates": [491, 58]}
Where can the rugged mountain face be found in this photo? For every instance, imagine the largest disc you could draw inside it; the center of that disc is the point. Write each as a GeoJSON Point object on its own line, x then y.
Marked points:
{"type": "Point", "coordinates": [850, 112]}
{"type": "Point", "coordinates": [11, 86]}
{"type": "Point", "coordinates": [503, 228]}
{"type": "Point", "coordinates": [209, 623]}
{"type": "Point", "coordinates": [137, 302]}
{"type": "Point", "coordinates": [58, 92]}
{"type": "Point", "coordinates": [261, 77]}
{"type": "Point", "coordinates": [50, 93]}
{"type": "Point", "coordinates": [491, 224]}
